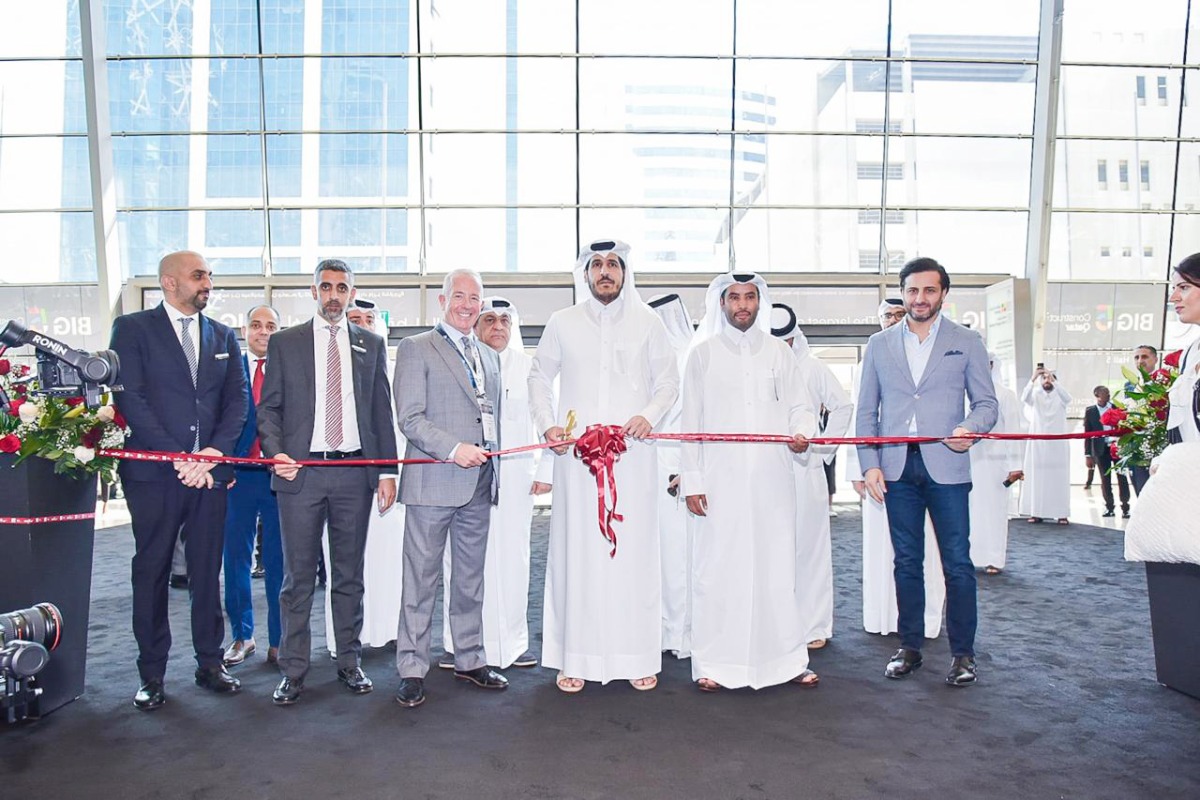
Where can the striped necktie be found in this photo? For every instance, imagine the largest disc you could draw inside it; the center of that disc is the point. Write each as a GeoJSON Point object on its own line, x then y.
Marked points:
{"type": "Point", "coordinates": [333, 391]}
{"type": "Point", "coordinates": [189, 352]}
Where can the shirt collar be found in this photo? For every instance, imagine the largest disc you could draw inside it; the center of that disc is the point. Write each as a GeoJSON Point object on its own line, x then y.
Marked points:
{"type": "Point", "coordinates": [933, 328]}
{"type": "Point", "coordinates": [174, 314]}
{"type": "Point", "coordinates": [455, 335]}
{"type": "Point", "coordinates": [738, 338]}
{"type": "Point", "coordinates": [612, 309]}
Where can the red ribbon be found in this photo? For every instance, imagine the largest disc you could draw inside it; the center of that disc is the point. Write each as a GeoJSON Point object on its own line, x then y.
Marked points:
{"type": "Point", "coordinates": [44, 520]}
{"type": "Point", "coordinates": [600, 448]}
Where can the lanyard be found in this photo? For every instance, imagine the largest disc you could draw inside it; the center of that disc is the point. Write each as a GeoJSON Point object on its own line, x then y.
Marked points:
{"type": "Point", "coordinates": [474, 370]}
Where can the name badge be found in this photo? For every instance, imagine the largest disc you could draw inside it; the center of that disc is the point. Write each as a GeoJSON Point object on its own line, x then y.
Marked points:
{"type": "Point", "coordinates": [488, 414]}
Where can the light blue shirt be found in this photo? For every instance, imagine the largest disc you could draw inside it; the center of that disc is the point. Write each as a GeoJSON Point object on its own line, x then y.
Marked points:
{"type": "Point", "coordinates": [918, 353]}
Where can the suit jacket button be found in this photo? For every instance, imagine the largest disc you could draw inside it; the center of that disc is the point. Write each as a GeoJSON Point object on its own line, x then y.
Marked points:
{"type": "Point", "coordinates": [477, 419]}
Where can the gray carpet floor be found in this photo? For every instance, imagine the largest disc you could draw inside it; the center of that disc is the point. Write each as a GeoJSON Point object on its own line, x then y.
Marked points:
{"type": "Point", "coordinates": [1067, 707]}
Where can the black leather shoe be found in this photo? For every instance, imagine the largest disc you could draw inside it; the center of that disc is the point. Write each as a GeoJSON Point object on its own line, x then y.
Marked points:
{"type": "Point", "coordinates": [411, 692]}
{"type": "Point", "coordinates": [356, 681]}
{"type": "Point", "coordinates": [483, 677]}
{"type": "Point", "coordinates": [1125, 514]}
{"type": "Point", "coordinates": [903, 663]}
{"type": "Point", "coordinates": [258, 572]}
{"type": "Point", "coordinates": [217, 679]}
{"type": "Point", "coordinates": [287, 692]}
{"type": "Point", "coordinates": [150, 696]}
{"type": "Point", "coordinates": [962, 671]}
{"type": "Point", "coordinates": [177, 581]}
{"type": "Point", "coordinates": [1109, 513]}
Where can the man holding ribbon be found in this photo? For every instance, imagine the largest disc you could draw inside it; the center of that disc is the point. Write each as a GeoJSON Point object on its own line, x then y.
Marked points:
{"type": "Point", "coordinates": [747, 627]}
{"type": "Point", "coordinates": [325, 397]}
{"type": "Point", "coordinates": [915, 376]}
{"type": "Point", "coordinates": [448, 406]}
{"type": "Point", "coordinates": [615, 365]}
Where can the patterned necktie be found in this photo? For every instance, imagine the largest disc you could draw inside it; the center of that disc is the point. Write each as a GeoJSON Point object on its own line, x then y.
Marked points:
{"type": "Point", "coordinates": [189, 352]}
{"type": "Point", "coordinates": [469, 355]}
{"type": "Point", "coordinates": [256, 392]}
{"type": "Point", "coordinates": [333, 391]}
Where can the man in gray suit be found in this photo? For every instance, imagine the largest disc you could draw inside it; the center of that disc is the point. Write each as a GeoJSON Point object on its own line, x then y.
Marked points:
{"type": "Point", "coordinates": [326, 397]}
{"type": "Point", "coordinates": [448, 394]}
{"type": "Point", "coordinates": [914, 378]}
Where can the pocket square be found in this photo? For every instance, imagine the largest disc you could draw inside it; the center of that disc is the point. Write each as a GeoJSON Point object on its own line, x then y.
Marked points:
{"type": "Point", "coordinates": [359, 349]}
{"type": "Point", "coordinates": [954, 352]}
{"type": "Point", "coordinates": [221, 356]}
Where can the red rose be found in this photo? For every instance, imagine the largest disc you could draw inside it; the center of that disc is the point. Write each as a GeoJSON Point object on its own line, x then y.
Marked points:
{"type": "Point", "coordinates": [9, 443]}
{"type": "Point", "coordinates": [5, 366]}
{"type": "Point", "coordinates": [92, 437]}
{"type": "Point", "coordinates": [1159, 402]}
{"type": "Point", "coordinates": [1161, 414]}
{"type": "Point", "coordinates": [23, 370]}
{"type": "Point", "coordinates": [119, 419]}
{"type": "Point", "coordinates": [1113, 417]}
{"type": "Point", "coordinates": [1172, 359]}
{"type": "Point", "coordinates": [1112, 448]}
{"type": "Point", "coordinates": [73, 401]}
{"type": "Point", "coordinates": [14, 407]}
{"type": "Point", "coordinates": [1162, 376]}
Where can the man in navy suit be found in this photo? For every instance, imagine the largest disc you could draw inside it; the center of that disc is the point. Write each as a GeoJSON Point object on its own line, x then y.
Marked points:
{"type": "Point", "coordinates": [184, 392]}
{"type": "Point", "coordinates": [915, 378]}
{"type": "Point", "coordinates": [251, 501]}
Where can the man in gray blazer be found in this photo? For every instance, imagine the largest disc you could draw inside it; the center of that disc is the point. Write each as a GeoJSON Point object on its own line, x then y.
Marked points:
{"type": "Point", "coordinates": [448, 394]}
{"type": "Point", "coordinates": [326, 397]}
{"type": "Point", "coordinates": [915, 375]}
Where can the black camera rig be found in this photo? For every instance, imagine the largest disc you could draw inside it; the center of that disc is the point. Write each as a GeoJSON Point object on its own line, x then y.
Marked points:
{"type": "Point", "coordinates": [26, 639]}
{"type": "Point", "coordinates": [62, 370]}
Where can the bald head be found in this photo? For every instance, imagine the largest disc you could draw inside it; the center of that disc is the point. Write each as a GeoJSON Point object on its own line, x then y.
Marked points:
{"type": "Point", "coordinates": [186, 281]}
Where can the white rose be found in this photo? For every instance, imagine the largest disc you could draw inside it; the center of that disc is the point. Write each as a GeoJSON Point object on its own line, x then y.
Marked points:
{"type": "Point", "coordinates": [84, 454]}
{"type": "Point", "coordinates": [30, 412]}
{"type": "Point", "coordinates": [106, 413]}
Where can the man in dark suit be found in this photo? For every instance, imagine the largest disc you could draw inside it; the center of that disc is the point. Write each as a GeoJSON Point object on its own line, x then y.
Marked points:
{"type": "Point", "coordinates": [326, 397]}
{"type": "Point", "coordinates": [184, 392]}
{"type": "Point", "coordinates": [915, 377]}
{"type": "Point", "coordinates": [448, 407]}
{"type": "Point", "coordinates": [1102, 454]}
{"type": "Point", "coordinates": [251, 502]}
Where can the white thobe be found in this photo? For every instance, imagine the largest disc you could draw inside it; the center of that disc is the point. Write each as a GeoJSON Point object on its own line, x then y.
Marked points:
{"type": "Point", "coordinates": [747, 629]}
{"type": "Point", "coordinates": [1046, 490]}
{"type": "Point", "coordinates": [506, 561]}
{"type": "Point", "coordinates": [675, 539]}
{"type": "Point", "coordinates": [880, 613]}
{"type": "Point", "coordinates": [991, 461]}
{"type": "Point", "coordinates": [814, 548]}
{"type": "Point", "coordinates": [602, 616]}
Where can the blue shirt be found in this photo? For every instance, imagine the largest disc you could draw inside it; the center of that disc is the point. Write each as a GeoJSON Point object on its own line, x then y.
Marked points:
{"type": "Point", "coordinates": [918, 353]}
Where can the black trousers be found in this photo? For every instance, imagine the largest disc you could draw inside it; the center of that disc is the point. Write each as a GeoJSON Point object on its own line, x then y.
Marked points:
{"type": "Point", "coordinates": [1104, 464]}
{"type": "Point", "coordinates": [1140, 476]}
{"type": "Point", "coordinates": [159, 511]}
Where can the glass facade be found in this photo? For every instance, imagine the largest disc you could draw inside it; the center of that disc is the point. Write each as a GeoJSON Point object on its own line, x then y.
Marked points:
{"type": "Point", "coordinates": [414, 136]}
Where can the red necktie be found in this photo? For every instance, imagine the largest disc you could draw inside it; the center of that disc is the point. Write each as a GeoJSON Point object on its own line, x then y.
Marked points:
{"type": "Point", "coordinates": [256, 392]}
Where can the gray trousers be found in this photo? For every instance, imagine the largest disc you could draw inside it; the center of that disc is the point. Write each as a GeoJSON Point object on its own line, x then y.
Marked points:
{"type": "Point", "coordinates": [425, 531]}
{"type": "Point", "coordinates": [340, 497]}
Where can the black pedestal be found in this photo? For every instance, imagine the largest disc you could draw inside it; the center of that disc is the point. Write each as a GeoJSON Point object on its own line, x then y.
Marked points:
{"type": "Point", "coordinates": [1174, 591]}
{"type": "Point", "coordinates": [49, 563]}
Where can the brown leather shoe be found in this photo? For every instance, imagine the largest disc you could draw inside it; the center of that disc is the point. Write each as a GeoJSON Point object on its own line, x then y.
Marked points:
{"type": "Point", "coordinates": [236, 653]}
{"type": "Point", "coordinates": [272, 655]}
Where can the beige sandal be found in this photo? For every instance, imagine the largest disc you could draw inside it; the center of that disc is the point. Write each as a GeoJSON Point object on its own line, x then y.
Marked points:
{"type": "Point", "coordinates": [817, 644]}
{"type": "Point", "coordinates": [708, 685]}
{"type": "Point", "coordinates": [645, 684]}
{"type": "Point", "coordinates": [568, 685]}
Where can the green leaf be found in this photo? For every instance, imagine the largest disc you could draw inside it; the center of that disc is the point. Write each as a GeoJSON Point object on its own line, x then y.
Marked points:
{"type": "Point", "coordinates": [1130, 375]}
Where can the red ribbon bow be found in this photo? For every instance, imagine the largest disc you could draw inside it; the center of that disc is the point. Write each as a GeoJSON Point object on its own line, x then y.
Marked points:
{"type": "Point", "coordinates": [599, 448]}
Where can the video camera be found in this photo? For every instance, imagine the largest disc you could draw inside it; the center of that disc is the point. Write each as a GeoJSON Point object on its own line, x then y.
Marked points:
{"type": "Point", "coordinates": [64, 371]}
{"type": "Point", "coordinates": [26, 639]}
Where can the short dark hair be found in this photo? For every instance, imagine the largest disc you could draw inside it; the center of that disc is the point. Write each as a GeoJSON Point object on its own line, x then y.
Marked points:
{"type": "Point", "coordinates": [1153, 350]}
{"type": "Point", "coordinates": [1099, 389]}
{"type": "Point", "coordinates": [922, 264]}
{"type": "Point", "coordinates": [1189, 269]}
{"type": "Point", "coordinates": [332, 265]}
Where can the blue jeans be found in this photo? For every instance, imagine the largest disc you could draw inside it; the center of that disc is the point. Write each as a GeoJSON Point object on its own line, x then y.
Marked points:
{"type": "Point", "coordinates": [251, 500]}
{"type": "Point", "coordinates": [907, 501]}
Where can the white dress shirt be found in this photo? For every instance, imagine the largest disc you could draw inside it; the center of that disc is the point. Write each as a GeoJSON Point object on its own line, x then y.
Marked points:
{"type": "Point", "coordinates": [918, 352]}
{"type": "Point", "coordinates": [174, 314]}
{"type": "Point", "coordinates": [350, 439]}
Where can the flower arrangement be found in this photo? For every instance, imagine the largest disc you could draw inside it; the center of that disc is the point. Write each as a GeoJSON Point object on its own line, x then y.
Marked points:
{"type": "Point", "coordinates": [1141, 410]}
{"type": "Point", "coordinates": [61, 429]}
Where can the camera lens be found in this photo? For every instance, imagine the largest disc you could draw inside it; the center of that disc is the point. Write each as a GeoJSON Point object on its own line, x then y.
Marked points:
{"type": "Point", "coordinates": [41, 624]}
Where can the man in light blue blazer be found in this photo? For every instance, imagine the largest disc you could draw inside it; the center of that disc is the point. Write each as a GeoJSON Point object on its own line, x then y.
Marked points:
{"type": "Point", "coordinates": [915, 376]}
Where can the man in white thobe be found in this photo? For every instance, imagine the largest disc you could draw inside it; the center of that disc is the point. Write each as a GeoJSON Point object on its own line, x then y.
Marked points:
{"type": "Point", "coordinates": [995, 466]}
{"type": "Point", "coordinates": [880, 614]}
{"type": "Point", "coordinates": [747, 628]}
{"type": "Point", "coordinates": [675, 538]}
{"type": "Point", "coordinates": [506, 564]}
{"type": "Point", "coordinates": [603, 615]}
{"type": "Point", "coordinates": [814, 547]}
{"type": "Point", "coordinates": [1046, 492]}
